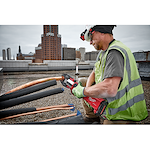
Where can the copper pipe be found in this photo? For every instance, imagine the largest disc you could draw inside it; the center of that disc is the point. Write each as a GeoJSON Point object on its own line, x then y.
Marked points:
{"type": "Point", "coordinates": [33, 83]}
{"type": "Point", "coordinates": [55, 106]}
{"type": "Point", "coordinates": [59, 117]}
{"type": "Point", "coordinates": [6, 113]}
{"type": "Point", "coordinates": [35, 112]}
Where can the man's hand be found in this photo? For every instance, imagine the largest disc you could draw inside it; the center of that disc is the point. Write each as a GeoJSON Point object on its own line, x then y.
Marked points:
{"type": "Point", "coordinates": [78, 91]}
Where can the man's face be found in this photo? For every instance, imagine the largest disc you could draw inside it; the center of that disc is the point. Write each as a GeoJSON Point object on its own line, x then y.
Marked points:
{"type": "Point", "coordinates": [96, 40]}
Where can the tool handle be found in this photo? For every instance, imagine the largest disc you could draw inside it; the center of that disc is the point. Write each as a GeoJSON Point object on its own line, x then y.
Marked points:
{"type": "Point", "coordinates": [95, 103]}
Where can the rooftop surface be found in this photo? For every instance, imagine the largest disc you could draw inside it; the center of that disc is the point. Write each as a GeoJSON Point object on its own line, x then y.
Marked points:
{"type": "Point", "coordinates": [14, 79]}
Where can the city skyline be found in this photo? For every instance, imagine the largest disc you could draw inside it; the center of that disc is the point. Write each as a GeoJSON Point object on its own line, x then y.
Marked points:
{"type": "Point", "coordinates": [136, 37]}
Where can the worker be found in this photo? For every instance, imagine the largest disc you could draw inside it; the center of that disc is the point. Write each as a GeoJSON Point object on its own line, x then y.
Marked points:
{"type": "Point", "coordinates": [115, 78]}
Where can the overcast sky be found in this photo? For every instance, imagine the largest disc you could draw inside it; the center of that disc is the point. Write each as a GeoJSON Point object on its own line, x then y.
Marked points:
{"type": "Point", "coordinates": [136, 37]}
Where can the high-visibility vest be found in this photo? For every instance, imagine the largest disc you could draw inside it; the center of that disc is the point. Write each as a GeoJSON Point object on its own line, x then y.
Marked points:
{"type": "Point", "coordinates": [129, 102]}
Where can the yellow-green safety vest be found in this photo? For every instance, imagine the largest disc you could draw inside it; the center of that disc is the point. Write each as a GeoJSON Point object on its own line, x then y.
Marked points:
{"type": "Point", "coordinates": [129, 102]}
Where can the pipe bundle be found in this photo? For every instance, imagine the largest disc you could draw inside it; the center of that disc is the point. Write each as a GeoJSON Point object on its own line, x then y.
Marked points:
{"type": "Point", "coordinates": [25, 93]}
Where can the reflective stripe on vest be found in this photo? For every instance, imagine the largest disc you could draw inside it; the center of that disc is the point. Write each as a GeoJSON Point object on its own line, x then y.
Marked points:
{"type": "Point", "coordinates": [127, 62]}
{"type": "Point", "coordinates": [128, 104]}
{"type": "Point", "coordinates": [125, 105]}
{"type": "Point", "coordinates": [121, 93]}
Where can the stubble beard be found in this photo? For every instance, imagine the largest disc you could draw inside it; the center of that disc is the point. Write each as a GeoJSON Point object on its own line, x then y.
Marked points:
{"type": "Point", "coordinates": [98, 47]}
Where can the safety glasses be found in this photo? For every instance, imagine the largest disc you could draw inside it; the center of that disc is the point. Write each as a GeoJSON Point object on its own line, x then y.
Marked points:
{"type": "Point", "coordinates": [91, 34]}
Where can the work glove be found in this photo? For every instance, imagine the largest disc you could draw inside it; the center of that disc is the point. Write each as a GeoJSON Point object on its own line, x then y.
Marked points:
{"type": "Point", "coordinates": [78, 91]}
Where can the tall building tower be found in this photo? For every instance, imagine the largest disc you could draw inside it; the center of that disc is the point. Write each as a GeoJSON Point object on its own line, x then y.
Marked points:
{"type": "Point", "coordinates": [51, 43]}
{"type": "Point", "coordinates": [82, 51]}
{"type": "Point", "coordinates": [4, 54]}
{"type": "Point", "coordinates": [8, 54]}
{"type": "Point", "coordinates": [62, 46]}
{"type": "Point", "coordinates": [19, 49]}
{"type": "Point", "coordinates": [20, 55]}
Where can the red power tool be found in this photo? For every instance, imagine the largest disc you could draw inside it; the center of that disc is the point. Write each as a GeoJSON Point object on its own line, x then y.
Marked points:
{"type": "Point", "coordinates": [98, 104]}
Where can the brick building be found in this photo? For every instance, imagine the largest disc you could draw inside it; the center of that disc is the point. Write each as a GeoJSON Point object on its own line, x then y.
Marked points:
{"type": "Point", "coordinates": [30, 56]}
{"type": "Point", "coordinates": [50, 47]}
{"type": "Point", "coordinates": [78, 54]}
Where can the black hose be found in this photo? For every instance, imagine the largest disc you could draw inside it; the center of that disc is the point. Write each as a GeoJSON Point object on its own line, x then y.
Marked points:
{"type": "Point", "coordinates": [68, 120]}
{"type": "Point", "coordinates": [12, 112]}
{"type": "Point", "coordinates": [28, 90]}
{"type": "Point", "coordinates": [28, 98]}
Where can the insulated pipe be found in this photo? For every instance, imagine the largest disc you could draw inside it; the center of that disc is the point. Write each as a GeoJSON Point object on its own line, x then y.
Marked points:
{"type": "Point", "coordinates": [35, 112]}
{"type": "Point", "coordinates": [28, 90]}
{"type": "Point", "coordinates": [33, 83]}
{"type": "Point", "coordinates": [28, 98]}
{"type": "Point", "coordinates": [6, 113]}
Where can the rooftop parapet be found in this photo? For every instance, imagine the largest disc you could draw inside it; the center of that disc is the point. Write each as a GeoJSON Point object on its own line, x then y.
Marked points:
{"type": "Point", "coordinates": [142, 56]}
